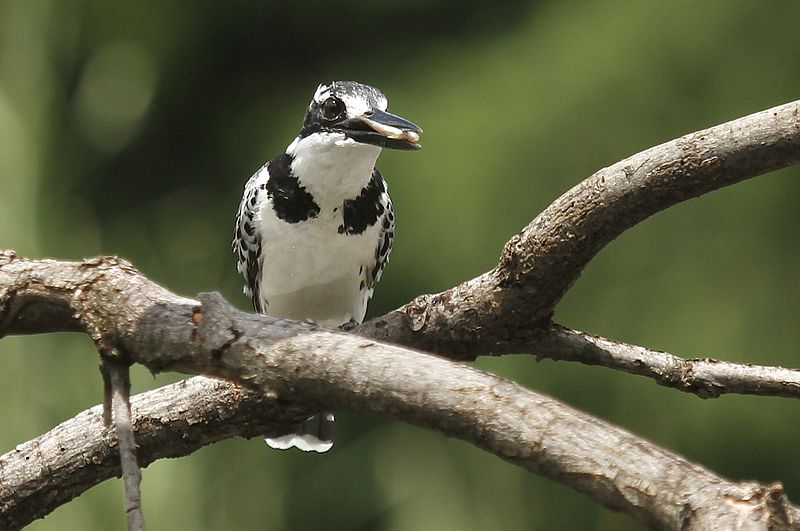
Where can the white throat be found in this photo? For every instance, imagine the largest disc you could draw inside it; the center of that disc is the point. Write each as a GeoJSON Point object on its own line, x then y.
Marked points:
{"type": "Point", "coordinates": [331, 166]}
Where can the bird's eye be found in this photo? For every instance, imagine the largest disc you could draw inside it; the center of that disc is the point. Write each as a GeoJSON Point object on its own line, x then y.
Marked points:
{"type": "Point", "coordinates": [332, 108]}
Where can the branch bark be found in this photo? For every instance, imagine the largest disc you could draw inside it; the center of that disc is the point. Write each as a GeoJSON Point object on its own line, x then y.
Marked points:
{"type": "Point", "coordinates": [120, 383]}
{"type": "Point", "coordinates": [704, 377]}
{"type": "Point", "coordinates": [301, 362]}
{"type": "Point", "coordinates": [173, 421]}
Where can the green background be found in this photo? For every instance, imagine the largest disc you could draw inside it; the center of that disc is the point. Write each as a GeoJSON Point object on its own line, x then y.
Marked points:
{"type": "Point", "coordinates": [129, 128]}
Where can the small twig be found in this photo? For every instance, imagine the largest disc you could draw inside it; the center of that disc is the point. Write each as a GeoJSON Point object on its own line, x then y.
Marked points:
{"type": "Point", "coordinates": [107, 394]}
{"type": "Point", "coordinates": [706, 378]}
{"type": "Point", "coordinates": [119, 377]}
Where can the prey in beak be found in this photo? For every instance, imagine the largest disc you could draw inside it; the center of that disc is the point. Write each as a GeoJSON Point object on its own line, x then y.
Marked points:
{"type": "Point", "coordinates": [383, 129]}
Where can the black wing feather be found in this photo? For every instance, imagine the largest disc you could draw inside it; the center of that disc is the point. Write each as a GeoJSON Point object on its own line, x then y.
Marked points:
{"type": "Point", "coordinates": [247, 242]}
{"type": "Point", "coordinates": [386, 238]}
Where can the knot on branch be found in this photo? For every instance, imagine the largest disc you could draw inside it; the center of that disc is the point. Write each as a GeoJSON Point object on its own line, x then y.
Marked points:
{"type": "Point", "coordinates": [109, 262]}
{"type": "Point", "coordinates": [764, 504]}
{"type": "Point", "coordinates": [778, 507]}
{"type": "Point", "coordinates": [518, 257]}
{"type": "Point", "coordinates": [683, 377]}
{"type": "Point", "coordinates": [7, 256]}
{"type": "Point", "coordinates": [415, 313]}
{"type": "Point", "coordinates": [215, 324]}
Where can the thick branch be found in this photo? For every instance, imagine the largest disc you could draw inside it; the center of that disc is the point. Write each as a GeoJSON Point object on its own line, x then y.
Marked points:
{"type": "Point", "coordinates": [507, 307]}
{"type": "Point", "coordinates": [147, 324]}
{"type": "Point", "coordinates": [500, 311]}
{"type": "Point", "coordinates": [707, 378]}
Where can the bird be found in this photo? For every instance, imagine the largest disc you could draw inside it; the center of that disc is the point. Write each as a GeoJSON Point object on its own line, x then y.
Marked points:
{"type": "Point", "coordinates": [315, 226]}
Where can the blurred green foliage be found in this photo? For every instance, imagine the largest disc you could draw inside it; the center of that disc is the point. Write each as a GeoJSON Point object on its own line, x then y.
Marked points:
{"type": "Point", "coordinates": [129, 128]}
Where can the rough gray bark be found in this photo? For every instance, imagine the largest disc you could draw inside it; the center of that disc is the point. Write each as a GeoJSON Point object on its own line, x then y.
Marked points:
{"type": "Point", "coordinates": [297, 361]}
{"type": "Point", "coordinates": [505, 310]}
{"type": "Point", "coordinates": [173, 421]}
{"type": "Point", "coordinates": [705, 377]}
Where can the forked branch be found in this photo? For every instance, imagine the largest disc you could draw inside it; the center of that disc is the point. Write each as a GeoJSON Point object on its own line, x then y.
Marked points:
{"type": "Point", "coordinates": [302, 363]}
{"type": "Point", "coordinates": [507, 309]}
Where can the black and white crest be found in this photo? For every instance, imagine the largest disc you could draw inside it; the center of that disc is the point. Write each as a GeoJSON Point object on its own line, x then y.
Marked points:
{"type": "Point", "coordinates": [334, 101]}
{"type": "Point", "coordinates": [358, 112]}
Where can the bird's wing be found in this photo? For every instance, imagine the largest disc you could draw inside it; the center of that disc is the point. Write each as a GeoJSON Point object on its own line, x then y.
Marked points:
{"type": "Point", "coordinates": [246, 239]}
{"type": "Point", "coordinates": [384, 247]}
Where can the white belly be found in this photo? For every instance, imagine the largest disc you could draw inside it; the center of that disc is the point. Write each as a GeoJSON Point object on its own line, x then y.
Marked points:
{"type": "Point", "coordinates": [311, 272]}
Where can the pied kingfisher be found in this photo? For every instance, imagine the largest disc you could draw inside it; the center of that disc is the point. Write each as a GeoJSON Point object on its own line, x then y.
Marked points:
{"type": "Point", "coordinates": [316, 224]}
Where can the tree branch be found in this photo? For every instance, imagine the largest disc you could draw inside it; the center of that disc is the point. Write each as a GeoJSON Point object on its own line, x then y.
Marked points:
{"type": "Point", "coordinates": [173, 421]}
{"type": "Point", "coordinates": [504, 310]}
{"type": "Point", "coordinates": [120, 383]}
{"type": "Point", "coordinates": [301, 362]}
{"type": "Point", "coordinates": [507, 308]}
{"type": "Point", "coordinates": [707, 378]}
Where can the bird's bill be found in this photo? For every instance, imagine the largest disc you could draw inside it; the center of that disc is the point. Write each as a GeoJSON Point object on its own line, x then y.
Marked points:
{"type": "Point", "coordinates": [383, 129]}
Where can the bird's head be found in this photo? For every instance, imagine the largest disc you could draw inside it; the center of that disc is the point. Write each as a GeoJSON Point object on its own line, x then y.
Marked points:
{"type": "Point", "coordinates": [359, 113]}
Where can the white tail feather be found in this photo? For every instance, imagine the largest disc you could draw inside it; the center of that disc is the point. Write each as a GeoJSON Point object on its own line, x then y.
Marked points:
{"type": "Point", "coordinates": [305, 442]}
